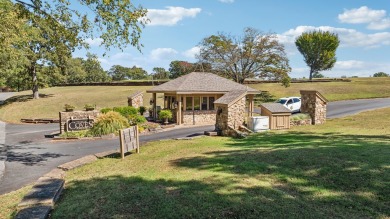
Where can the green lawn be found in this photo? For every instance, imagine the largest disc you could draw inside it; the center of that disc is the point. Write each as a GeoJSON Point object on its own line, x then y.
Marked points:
{"type": "Point", "coordinates": [53, 99]}
{"type": "Point", "coordinates": [337, 170]}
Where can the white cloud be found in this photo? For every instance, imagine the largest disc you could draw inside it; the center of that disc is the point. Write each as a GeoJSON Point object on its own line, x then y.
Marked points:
{"type": "Point", "coordinates": [226, 1]}
{"type": "Point", "coordinates": [191, 53]}
{"type": "Point", "coordinates": [350, 64]}
{"type": "Point", "coordinates": [162, 53]}
{"type": "Point", "coordinates": [94, 42]}
{"type": "Point", "coordinates": [121, 56]}
{"type": "Point", "coordinates": [348, 37]}
{"type": "Point", "coordinates": [171, 15]}
{"type": "Point", "coordinates": [103, 61]}
{"type": "Point", "coordinates": [376, 19]}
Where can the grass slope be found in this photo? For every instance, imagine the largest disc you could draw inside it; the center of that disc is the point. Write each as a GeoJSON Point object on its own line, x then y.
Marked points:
{"type": "Point", "coordinates": [337, 170]}
{"type": "Point", "coordinates": [53, 100]}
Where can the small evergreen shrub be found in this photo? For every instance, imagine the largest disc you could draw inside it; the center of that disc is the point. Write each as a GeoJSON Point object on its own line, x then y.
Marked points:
{"type": "Point", "coordinates": [136, 119]}
{"type": "Point", "coordinates": [109, 123]}
{"type": "Point", "coordinates": [126, 110]}
{"type": "Point", "coordinates": [165, 114]}
{"type": "Point", "coordinates": [105, 110]}
{"type": "Point", "coordinates": [299, 116]}
{"type": "Point", "coordinates": [142, 110]}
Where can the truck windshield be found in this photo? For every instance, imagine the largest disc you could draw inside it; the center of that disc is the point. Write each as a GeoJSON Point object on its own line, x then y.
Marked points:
{"type": "Point", "coordinates": [281, 101]}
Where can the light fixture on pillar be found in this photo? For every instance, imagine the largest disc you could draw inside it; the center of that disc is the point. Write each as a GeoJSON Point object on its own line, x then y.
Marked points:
{"type": "Point", "coordinates": [174, 105]}
{"type": "Point", "coordinates": [151, 101]}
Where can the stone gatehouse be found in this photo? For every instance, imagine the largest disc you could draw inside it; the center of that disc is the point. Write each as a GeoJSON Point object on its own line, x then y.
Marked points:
{"type": "Point", "coordinates": [197, 97]}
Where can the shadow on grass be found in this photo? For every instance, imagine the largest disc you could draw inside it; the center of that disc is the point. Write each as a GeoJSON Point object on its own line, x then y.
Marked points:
{"type": "Point", "coordinates": [305, 175]}
{"type": "Point", "coordinates": [23, 98]}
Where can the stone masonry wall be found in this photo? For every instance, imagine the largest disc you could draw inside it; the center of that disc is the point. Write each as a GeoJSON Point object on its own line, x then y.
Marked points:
{"type": "Point", "coordinates": [233, 116]}
{"type": "Point", "coordinates": [136, 100]}
{"type": "Point", "coordinates": [314, 106]}
{"type": "Point", "coordinates": [65, 116]}
{"type": "Point", "coordinates": [202, 117]}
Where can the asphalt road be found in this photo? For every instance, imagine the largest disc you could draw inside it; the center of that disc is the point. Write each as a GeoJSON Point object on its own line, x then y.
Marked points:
{"type": "Point", "coordinates": [349, 107]}
{"type": "Point", "coordinates": [29, 155]}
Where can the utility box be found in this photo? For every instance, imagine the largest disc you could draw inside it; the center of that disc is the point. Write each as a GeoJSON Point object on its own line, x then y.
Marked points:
{"type": "Point", "coordinates": [279, 116]}
{"type": "Point", "coordinates": [258, 123]}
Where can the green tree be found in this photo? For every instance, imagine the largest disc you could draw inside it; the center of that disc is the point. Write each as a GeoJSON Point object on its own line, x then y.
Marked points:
{"type": "Point", "coordinates": [318, 75]}
{"type": "Point", "coordinates": [119, 73]}
{"type": "Point", "coordinates": [318, 49]}
{"type": "Point", "coordinates": [180, 68]}
{"type": "Point", "coordinates": [137, 73]}
{"type": "Point", "coordinates": [254, 54]}
{"type": "Point", "coordinates": [50, 30]}
{"type": "Point", "coordinates": [93, 69]}
{"type": "Point", "coordinates": [160, 73]}
{"type": "Point", "coordinates": [381, 74]}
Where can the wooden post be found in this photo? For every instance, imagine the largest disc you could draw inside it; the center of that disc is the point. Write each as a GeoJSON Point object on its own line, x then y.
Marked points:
{"type": "Point", "coordinates": [178, 117]}
{"type": "Point", "coordinates": [122, 145]}
{"type": "Point", "coordinates": [155, 106]}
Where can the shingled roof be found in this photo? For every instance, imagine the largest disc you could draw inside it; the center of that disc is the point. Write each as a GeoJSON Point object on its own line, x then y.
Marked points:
{"type": "Point", "coordinates": [275, 108]}
{"type": "Point", "coordinates": [230, 97]}
{"type": "Point", "coordinates": [199, 82]}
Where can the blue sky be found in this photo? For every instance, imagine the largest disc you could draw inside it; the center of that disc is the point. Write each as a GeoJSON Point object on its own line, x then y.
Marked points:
{"type": "Point", "coordinates": [177, 27]}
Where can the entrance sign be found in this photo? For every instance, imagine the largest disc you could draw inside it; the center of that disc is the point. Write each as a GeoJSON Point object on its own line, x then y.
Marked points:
{"type": "Point", "coordinates": [129, 140]}
{"type": "Point", "coordinates": [78, 124]}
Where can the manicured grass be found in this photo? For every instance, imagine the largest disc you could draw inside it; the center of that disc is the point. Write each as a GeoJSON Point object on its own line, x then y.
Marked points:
{"type": "Point", "coordinates": [337, 170]}
{"type": "Point", "coordinates": [9, 202]}
{"type": "Point", "coordinates": [359, 88]}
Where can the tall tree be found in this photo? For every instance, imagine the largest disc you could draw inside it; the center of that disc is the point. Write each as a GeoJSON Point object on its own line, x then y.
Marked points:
{"type": "Point", "coordinates": [160, 73]}
{"type": "Point", "coordinates": [57, 28]}
{"type": "Point", "coordinates": [93, 69]}
{"type": "Point", "coordinates": [180, 68]}
{"type": "Point", "coordinates": [255, 54]}
{"type": "Point", "coordinates": [318, 49]}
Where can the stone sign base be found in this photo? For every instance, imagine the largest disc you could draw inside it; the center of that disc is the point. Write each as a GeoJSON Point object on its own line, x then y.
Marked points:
{"type": "Point", "coordinates": [76, 115]}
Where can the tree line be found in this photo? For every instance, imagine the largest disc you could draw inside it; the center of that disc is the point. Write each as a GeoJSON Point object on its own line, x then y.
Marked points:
{"type": "Point", "coordinates": [38, 37]}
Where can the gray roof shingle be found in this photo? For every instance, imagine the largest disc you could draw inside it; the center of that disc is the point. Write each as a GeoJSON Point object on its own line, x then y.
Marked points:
{"type": "Point", "coordinates": [201, 82]}
{"type": "Point", "coordinates": [230, 97]}
{"type": "Point", "coordinates": [275, 108]}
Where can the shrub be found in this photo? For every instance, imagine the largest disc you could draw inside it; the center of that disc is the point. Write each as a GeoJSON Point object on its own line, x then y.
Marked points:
{"type": "Point", "coordinates": [300, 116]}
{"type": "Point", "coordinates": [136, 119]}
{"type": "Point", "coordinates": [89, 107]}
{"type": "Point", "coordinates": [126, 110]}
{"type": "Point", "coordinates": [165, 114]}
{"type": "Point", "coordinates": [142, 110]}
{"type": "Point", "coordinates": [109, 123]}
{"type": "Point", "coordinates": [78, 134]}
{"type": "Point", "coordinates": [69, 108]}
{"type": "Point", "coordinates": [106, 110]}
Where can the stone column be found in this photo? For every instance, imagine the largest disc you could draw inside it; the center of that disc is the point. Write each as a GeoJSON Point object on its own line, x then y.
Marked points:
{"type": "Point", "coordinates": [313, 103]}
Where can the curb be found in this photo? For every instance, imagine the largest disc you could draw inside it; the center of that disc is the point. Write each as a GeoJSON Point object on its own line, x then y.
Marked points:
{"type": "Point", "coordinates": [46, 191]}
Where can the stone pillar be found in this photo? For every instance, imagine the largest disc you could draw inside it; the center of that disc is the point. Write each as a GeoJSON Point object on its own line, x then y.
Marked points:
{"type": "Point", "coordinates": [136, 100]}
{"type": "Point", "coordinates": [76, 115]}
{"type": "Point", "coordinates": [314, 104]}
{"type": "Point", "coordinates": [230, 116]}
